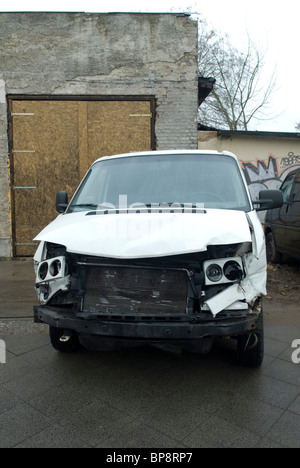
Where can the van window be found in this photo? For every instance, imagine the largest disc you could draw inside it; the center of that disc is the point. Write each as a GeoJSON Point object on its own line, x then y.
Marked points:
{"type": "Point", "coordinates": [296, 189]}
{"type": "Point", "coordinates": [214, 181]}
{"type": "Point", "coordinates": [286, 187]}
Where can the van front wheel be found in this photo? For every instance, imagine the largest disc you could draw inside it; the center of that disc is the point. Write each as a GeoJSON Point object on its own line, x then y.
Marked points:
{"type": "Point", "coordinates": [273, 255]}
{"type": "Point", "coordinates": [250, 347]}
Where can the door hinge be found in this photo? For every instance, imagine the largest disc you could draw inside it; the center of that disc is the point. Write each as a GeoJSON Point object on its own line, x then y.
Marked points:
{"type": "Point", "coordinates": [15, 187]}
{"type": "Point", "coordinates": [21, 113]}
{"type": "Point", "coordinates": [140, 115]}
{"type": "Point", "coordinates": [23, 151]}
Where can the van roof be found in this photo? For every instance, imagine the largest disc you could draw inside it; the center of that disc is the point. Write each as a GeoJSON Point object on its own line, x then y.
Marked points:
{"type": "Point", "coordinates": [166, 152]}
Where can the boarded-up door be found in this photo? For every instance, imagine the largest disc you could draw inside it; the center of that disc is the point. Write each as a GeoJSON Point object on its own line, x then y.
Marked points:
{"type": "Point", "coordinates": [54, 143]}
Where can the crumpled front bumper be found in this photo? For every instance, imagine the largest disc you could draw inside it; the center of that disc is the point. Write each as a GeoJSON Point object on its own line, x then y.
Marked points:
{"type": "Point", "coordinates": [151, 330]}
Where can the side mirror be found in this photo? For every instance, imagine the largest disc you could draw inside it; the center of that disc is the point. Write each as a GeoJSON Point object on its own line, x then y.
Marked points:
{"type": "Point", "coordinates": [61, 201]}
{"type": "Point", "coordinates": [268, 199]}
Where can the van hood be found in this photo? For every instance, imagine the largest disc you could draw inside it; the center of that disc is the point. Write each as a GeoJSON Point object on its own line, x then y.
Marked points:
{"type": "Point", "coordinates": [142, 235]}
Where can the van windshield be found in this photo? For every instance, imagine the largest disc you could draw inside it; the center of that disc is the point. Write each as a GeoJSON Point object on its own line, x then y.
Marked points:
{"type": "Point", "coordinates": [209, 181]}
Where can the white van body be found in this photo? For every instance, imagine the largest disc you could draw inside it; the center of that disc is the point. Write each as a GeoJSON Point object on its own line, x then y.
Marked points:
{"type": "Point", "coordinates": [161, 247]}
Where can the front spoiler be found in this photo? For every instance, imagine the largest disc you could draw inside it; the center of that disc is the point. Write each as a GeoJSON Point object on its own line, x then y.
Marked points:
{"type": "Point", "coordinates": [166, 331]}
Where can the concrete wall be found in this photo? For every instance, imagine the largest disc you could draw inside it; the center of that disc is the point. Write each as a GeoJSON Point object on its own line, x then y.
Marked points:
{"type": "Point", "coordinates": [100, 54]}
{"type": "Point", "coordinates": [5, 236]}
{"type": "Point", "coordinates": [266, 158]}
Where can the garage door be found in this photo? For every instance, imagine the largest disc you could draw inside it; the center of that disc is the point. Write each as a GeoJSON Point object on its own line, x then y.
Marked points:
{"type": "Point", "coordinates": [53, 143]}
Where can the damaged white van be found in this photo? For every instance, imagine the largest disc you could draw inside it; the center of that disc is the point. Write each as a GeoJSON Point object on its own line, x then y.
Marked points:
{"type": "Point", "coordinates": [162, 247]}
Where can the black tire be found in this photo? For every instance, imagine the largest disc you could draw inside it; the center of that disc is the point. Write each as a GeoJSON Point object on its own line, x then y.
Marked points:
{"type": "Point", "coordinates": [71, 346]}
{"type": "Point", "coordinates": [273, 256]}
{"type": "Point", "coordinates": [250, 347]}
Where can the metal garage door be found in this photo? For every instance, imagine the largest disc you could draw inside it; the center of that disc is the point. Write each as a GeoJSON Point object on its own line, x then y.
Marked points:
{"type": "Point", "coordinates": [53, 143]}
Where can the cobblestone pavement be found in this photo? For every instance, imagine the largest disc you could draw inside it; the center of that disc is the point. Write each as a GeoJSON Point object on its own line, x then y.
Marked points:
{"type": "Point", "coordinates": [145, 398]}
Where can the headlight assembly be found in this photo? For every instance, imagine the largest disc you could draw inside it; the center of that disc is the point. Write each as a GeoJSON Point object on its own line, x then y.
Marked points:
{"type": "Point", "coordinates": [225, 270]}
{"type": "Point", "coordinates": [51, 269]}
{"type": "Point", "coordinates": [51, 276]}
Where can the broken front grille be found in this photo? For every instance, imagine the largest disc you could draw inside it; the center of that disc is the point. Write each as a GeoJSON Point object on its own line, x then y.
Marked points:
{"type": "Point", "coordinates": [135, 290]}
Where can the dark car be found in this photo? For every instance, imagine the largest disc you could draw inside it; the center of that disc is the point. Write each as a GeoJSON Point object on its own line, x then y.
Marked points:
{"type": "Point", "coordinates": [282, 225]}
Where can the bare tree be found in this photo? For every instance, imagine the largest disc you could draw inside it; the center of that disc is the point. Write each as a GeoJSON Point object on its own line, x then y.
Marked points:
{"type": "Point", "coordinates": [240, 94]}
{"type": "Point", "coordinates": [297, 126]}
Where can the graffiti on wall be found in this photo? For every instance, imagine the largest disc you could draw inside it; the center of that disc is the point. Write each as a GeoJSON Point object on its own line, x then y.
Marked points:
{"type": "Point", "coordinates": [270, 175]}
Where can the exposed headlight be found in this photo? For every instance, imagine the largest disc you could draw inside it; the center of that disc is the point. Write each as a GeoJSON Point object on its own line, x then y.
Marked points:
{"type": "Point", "coordinates": [233, 271]}
{"type": "Point", "coordinates": [42, 271]}
{"type": "Point", "coordinates": [214, 272]}
{"type": "Point", "coordinates": [51, 269]}
{"type": "Point", "coordinates": [224, 270]}
{"type": "Point", "coordinates": [51, 276]}
{"type": "Point", "coordinates": [55, 267]}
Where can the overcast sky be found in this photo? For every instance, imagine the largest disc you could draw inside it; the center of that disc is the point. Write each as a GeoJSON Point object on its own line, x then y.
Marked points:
{"type": "Point", "coordinates": [272, 25]}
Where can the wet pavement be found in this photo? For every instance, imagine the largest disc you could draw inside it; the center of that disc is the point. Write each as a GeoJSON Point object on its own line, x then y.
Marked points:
{"type": "Point", "coordinates": [141, 398]}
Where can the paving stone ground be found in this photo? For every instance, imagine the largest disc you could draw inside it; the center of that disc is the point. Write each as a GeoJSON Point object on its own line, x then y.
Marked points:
{"type": "Point", "coordinates": [145, 397]}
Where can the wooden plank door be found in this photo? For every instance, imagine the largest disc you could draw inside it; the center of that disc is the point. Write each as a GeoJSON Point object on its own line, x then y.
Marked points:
{"type": "Point", "coordinates": [45, 159]}
{"type": "Point", "coordinates": [113, 127]}
{"type": "Point", "coordinates": [53, 144]}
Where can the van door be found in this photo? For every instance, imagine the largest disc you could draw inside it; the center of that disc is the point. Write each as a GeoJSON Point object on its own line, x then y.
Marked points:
{"type": "Point", "coordinates": [293, 218]}
{"type": "Point", "coordinates": [280, 217]}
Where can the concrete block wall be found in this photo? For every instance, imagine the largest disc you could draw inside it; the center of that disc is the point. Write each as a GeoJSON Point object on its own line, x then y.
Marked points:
{"type": "Point", "coordinates": [100, 54]}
